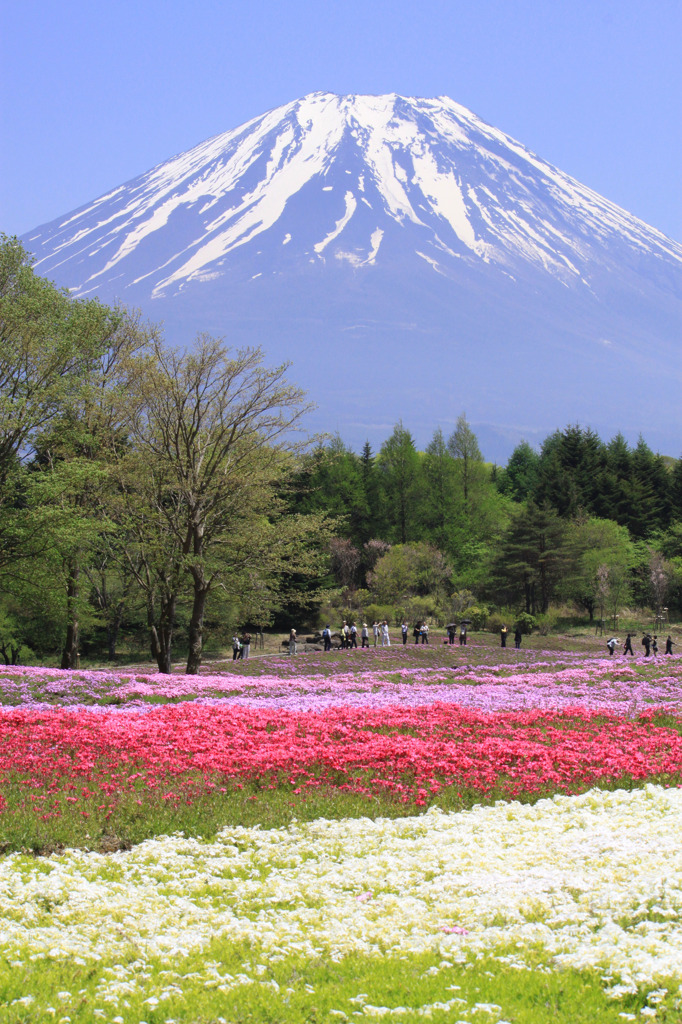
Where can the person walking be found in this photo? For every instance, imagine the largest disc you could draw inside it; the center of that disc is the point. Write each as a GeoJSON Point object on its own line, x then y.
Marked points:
{"type": "Point", "coordinates": [517, 638]}
{"type": "Point", "coordinates": [403, 630]}
{"type": "Point", "coordinates": [344, 635]}
{"type": "Point", "coordinates": [365, 635]}
{"type": "Point", "coordinates": [654, 646]}
{"type": "Point", "coordinates": [627, 649]}
{"type": "Point", "coordinates": [612, 644]}
{"type": "Point", "coordinates": [385, 638]}
{"type": "Point", "coordinates": [503, 636]}
{"type": "Point", "coordinates": [353, 633]}
{"type": "Point", "coordinates": [646, 644]}
{"type": "Point", "coordinates": [425, 633]}
{"type": "Point", "coordinates": [669, 644]}
{"type": "Point", "coordinates": [292, 642]}
{"type": "Point", "coordinates": [375, 628]}
{"type": "Point", "coordinates": [327, 637]}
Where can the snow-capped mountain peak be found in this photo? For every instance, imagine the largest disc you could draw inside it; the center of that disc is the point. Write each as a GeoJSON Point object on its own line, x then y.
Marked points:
{"type": "Point", "coordinates": [363, 162]}
{"type": "Point", "coordinates": [403, 232]}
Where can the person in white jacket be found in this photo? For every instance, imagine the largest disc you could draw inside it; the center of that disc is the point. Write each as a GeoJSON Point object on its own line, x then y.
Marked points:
{"type": "Point", "coordinates": [385, 638]}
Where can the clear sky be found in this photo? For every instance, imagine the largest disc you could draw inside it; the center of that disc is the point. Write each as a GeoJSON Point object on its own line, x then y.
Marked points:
{"type": "Point", "coordinates": [95, 92]}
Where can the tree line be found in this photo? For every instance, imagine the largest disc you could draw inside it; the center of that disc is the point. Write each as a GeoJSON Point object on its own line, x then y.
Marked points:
{"type": "Point", "coordinates": [163, 493]}
{"type": "Point", "coordinates": [137, 482]}
{"type": "Point", "coordinates": [593, 523]}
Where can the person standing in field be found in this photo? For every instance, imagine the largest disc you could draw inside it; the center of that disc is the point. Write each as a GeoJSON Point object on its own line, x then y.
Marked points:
{"type": "Point", "coordinates": [612, 644]}
{"type": "Point", "coordinates": [646, 644]}
{"type": "Point", "coordinates": [654, 645]}
{"type": "Point", "coordinates": [327, 637]}
{"type": "Point", "coordinates": [236, 647]}
{"type": "Point", "coordinates": [451, 634]}
{"type": "Point", "coordinates": [385, 638]}
{"type": "Point", "coordinates": [503, 636]}
{"type": "Point", "coordinates": [403, 630]}
{"type": "Point", "coordinates": [416, 632]}
{"type": "Point", "coordinates": [353, 633]}
{"type": "Point", "coordinates": [627, 649]}
{"type": "Point", "coordinates": [292, 642]}
{"type": "Point", "coordinates": [462, 636]}
{"type": "Point", "coordinates": [375, 628]}
{"type": "Point", "coordinates": [425, 633]}
{"type": "Point", "coordinates": [669, 644]}
{"type": "Point", "coordinates": [365, 635]}
{"type": "Point", "coordinates": [517, 638]}
{"type": "Point", "coordinates": [246, 647]}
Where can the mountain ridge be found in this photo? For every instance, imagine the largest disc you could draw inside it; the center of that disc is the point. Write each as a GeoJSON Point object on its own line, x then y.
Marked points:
{"type": "Point", "coordinates": [392, 223]}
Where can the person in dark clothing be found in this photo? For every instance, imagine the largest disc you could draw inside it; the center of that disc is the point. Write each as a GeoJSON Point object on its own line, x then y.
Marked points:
{"type": "Point", "coordinates": [612, 644]}
{"type": "Point", "coordinates": [246, 647]}
{"type": "Point", "coordinates": [403, 630]}
{"type": "Point", "coordinates": [327, 637]}
{"type": "Point", "coordinates": [353, 636]}
{"type": "Point", "coordinates": [654, 645]}
{"type": "Point", "coordinates": [646, 644]}
{"type": "Point", "coordinates": [628, 645]}
{"type": "Point", "coordinates": [451, 634]}
{"type": "Point", "coordinates": [462, 636]}
{"type": "Point", "coordinates": [517, 638]}
{"type": "Point", "coordinates": [503, 636]}
{"type": "Point", "coordinates": [416, 632]}
{"type": "Point", "coordinates": [669, 644]}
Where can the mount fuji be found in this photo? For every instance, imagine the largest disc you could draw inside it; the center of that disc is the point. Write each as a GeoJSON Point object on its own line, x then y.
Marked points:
{"type": "Point", "coordinates": [410, 260]}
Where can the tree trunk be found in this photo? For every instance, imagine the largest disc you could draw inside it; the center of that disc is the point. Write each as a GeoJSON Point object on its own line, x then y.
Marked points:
{"type": "Point", "coordinates": [70, 652]}
{"type": "Point", "coordinates": [113, 628]}
{"type": "Point", "coordinates": [161, 633]}
{"type": "Point", "coordinates": [196, 626]}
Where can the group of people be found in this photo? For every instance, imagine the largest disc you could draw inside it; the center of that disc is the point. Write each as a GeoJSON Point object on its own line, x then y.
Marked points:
{"type": "Point", "coordinates": [649, 643]}
{"type": "Point", "coordinates": [241, 647]}
{"type": "Point", "coordinates": [349, 634]}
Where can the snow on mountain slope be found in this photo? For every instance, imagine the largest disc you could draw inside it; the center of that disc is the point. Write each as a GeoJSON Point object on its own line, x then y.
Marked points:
{"type": "Point", "coordinates": [343, 220]}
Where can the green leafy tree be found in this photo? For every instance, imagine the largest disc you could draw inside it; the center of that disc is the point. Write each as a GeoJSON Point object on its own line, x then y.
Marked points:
{"type": "Point", "coordinates": [519, 479]}
{"type": "Point", "coordinates": [601, 557]}
{"type": "Point", "coordinates": [410, 570]}
{"type": "Point", "coordinates": [398, 466]}
{"type": "Point", "coordinates": [439, 492]}
{"type": "Point", "coordinates": [211, 437]}
{"type": "Point", "coordinates": [463, 447]}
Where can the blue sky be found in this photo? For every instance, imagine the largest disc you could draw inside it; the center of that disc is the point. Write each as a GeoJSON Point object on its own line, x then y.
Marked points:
{"type": "Point", "coordinates": [95, 93]}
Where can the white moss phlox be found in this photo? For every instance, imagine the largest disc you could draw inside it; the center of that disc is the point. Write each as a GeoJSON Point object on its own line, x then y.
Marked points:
{"type": "Point", "coordinates": [595, 880]}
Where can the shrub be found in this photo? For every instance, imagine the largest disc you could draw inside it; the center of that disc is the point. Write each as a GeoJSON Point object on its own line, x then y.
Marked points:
{"type": "Point", "coordinates": [497, 620]}
{"type": "Point", "coordinates": [478, 613]}
{"type": "Point", "coordinates": [526, 623]}
{"type": "Point", "coordinates": [377, 613]}
{"type": "Point", "coordinates": [547, 621]}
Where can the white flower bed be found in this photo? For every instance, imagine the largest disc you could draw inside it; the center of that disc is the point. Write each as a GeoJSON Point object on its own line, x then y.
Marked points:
{"type": "Point", "coordinates": [594, 880]}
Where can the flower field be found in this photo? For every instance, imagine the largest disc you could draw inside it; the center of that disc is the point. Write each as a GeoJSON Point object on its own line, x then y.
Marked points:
{"type": "Point", "coordinates": [413, 834]}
